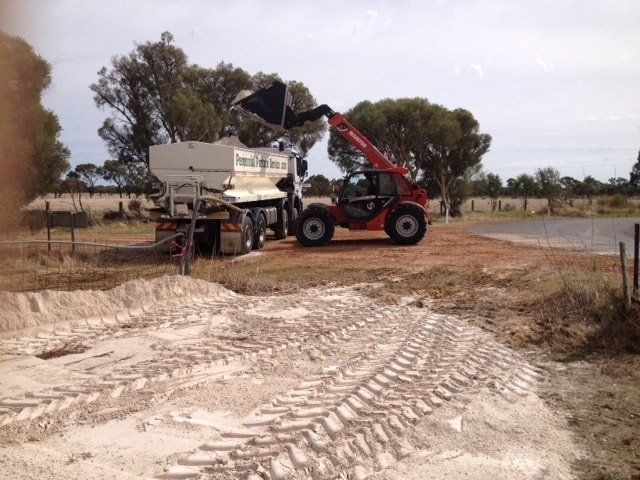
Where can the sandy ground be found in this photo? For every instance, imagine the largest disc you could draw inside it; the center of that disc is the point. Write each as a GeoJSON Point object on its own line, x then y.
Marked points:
{"type": "Point", "coordinates": [322, 383]}
{"type": "Point", "coordinates": [599, 235]}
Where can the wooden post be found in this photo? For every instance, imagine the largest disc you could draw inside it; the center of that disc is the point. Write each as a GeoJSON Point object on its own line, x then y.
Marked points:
{"type": "Point", "coordinates": [636, 258]}
{"type": "Point", "coordinates": [121, 209]}
{"type": "Point", "coordinates": [48, 231]}
{"type": "Point", "coordinates": [472, 205]}
{"type": "Point", "coordinates": [623, 267]}
{"type": "Point", "coordinates": [48, 213]}
{"type": "Point", "coordinates": [73, 232]}
{"type": "Point", "coordinates": [499, 205]}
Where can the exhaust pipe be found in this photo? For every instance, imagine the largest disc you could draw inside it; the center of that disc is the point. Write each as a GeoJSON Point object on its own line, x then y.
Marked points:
{"type": "Point", "coordinates": [270, 105]}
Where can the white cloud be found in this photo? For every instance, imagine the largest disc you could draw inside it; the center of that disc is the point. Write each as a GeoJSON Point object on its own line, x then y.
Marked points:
{"type": "Point", "coordinates": [457, 70]}
{"type": "Point", "coordinates": [372, 13]}
{"type": "Point", "coordinates": [478, 69]}
{"type": "Point", "coordinates": [196, 32]}
{"type": "Point", "coordinates": [547, 67]}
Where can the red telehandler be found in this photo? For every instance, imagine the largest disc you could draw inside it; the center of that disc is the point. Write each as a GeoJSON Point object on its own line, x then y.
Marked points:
{"type": "Point", "coordinates": [382, 198]}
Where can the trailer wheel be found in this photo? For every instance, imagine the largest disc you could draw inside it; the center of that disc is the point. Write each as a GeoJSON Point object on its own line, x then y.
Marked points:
{"type": "Point", "coordinates": [295, 214]}
{"type": "Point", "coordinates": [247, 235]}
{"type": "Point", "coordinates": [282, 224]}
{"type": "Point", "coordinates": [406, 225]}
{"type": "Point", "coordinates": [260, 235]}
{"type": "Point", "coordinates": [315, 227]}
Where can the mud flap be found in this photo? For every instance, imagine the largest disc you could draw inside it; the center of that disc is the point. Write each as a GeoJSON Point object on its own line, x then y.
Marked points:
{"type": "Point", "coordinates": [231, 234]}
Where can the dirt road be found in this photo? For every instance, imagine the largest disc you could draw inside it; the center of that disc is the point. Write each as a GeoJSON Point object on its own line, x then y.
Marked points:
{"type": "Point", "coordinates": [323, 383]}
{"type": "Point", "coordinates": [600, 235]}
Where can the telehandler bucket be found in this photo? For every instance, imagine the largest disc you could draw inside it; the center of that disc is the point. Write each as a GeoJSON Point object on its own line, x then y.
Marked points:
{"type": "Point", "coordinates": [270, 105]}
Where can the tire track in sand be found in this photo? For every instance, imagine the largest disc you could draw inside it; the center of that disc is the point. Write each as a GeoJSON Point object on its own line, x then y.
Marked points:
{"type": "Point", "coordinates": [356, 419]}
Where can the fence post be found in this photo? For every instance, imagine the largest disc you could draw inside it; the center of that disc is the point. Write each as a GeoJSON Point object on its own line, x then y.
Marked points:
{"type": "Point", "coordinates": [473, 205]}
{"type": "Point", "coordinates": [190, 250]}
{"type": "Point", "coordinates": [623, 268]}
{"type": "Point", "coordinates": [73, 233]}
{"type": "Point", "coordinates": [121, 208]}
{"type": "Point", "coordinates": [636, 258]}
{"type": "Point", "coordinates": [48, 228]}
{"type": "Point", "coordinates": [499, 205]}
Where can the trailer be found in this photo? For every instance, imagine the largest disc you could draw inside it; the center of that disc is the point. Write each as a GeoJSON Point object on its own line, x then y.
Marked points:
{"type": "Point", "coordinates": [225, 196]}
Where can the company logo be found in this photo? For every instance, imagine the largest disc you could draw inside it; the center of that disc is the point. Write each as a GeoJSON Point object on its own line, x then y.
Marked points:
{"type": "Point", "coordinates": [358, 139]}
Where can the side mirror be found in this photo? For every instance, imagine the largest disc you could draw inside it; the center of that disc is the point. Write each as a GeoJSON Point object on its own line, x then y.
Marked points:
{"type": "Point", "coordinates": [303, 167]}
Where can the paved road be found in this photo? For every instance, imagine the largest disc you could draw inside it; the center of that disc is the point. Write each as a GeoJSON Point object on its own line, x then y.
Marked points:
{"type": "Point", "coordinates": [600, 235]}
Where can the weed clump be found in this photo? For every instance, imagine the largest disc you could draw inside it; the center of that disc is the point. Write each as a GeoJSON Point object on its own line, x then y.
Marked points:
{"type": "Point", "coordinates": [591, 316]}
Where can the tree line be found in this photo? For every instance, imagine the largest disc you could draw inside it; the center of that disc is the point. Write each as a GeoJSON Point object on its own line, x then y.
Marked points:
{"type": "Point", "coordinates": [546, 183]}
{"type": "Point", "coordinates": [154, 95]}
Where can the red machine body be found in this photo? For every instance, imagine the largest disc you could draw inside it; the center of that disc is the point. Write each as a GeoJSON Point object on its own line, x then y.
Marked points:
{"type": "Point", "coordinates": [409, 191]}
{"type": "Point", "coordinates": [382, 198]}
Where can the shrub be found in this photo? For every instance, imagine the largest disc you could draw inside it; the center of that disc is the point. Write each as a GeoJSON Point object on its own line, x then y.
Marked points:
{"type": "Point", "coordinates": [615, 201]}
{"type": "Point", "coordinates": [135, 207]}
{"type": "Point", "coordinates": [34, 220]}
{"type": "Point", "coordinates": [618, 201]}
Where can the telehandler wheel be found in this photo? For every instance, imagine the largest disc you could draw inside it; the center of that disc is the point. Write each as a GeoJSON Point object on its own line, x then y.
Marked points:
{"type": "Point", "coordinates": [246, 241]}
{"type": "Point", "coordinates": [260, 232]}
{"type": "Point", "coordinates": [315, 227]}
{"type": "Point", "coordinates": [282, 224]}
{"type": "Point", "coordinates": [406, 225]}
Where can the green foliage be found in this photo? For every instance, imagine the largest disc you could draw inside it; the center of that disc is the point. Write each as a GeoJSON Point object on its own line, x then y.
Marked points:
{"type": "Point", "coordinates": [319, 186]}
{"type": "Point", "coordinates": [89, 174]}
{"type": "Point", "coordinates": [634, 177]}
{"type": "Point", "coordinates": [548, 180]}
{"type": "Point", "coordinates": [437, 145]}
{"type": "Point", "coordinates": [494, 185]}
{"type": "Point", "coordinates": [155, 96]}
{"type": "Point", "coordinates": [525, 187]}
{"type": "Point", "coordinates": [115, 172]}
{"type": "Point", "coordinates": [31, 154]}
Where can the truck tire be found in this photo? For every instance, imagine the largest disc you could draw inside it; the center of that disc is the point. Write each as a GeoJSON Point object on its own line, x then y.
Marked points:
{"type": "Point", "coordinates": [295, 214]}
{"type": "Point", "coordinates": [315, 227]}
{"type": "Point", "coordinates": [282, 224]}
{"type": "Point", "coordinates": [246, 243]}
{"type": "Point", "coordinates": [260, 232]}
{"type": "Point", "coordinates": [406, 225]}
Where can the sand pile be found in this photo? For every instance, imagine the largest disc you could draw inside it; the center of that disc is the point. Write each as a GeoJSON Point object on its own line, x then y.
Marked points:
{"type": "Point", "coordinates": [24, 310]}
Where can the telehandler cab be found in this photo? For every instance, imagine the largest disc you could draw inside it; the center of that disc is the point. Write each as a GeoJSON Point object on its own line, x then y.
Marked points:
{"type": "Point", "coordinates": [383, 198]}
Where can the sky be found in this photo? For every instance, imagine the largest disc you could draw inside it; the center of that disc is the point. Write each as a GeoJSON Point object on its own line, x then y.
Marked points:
{"type": "Point", "coordinates": [553, 82]}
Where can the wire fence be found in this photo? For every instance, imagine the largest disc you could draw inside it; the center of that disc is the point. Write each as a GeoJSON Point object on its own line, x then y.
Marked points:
{"type": "Point", "coordinates": [29, 266]}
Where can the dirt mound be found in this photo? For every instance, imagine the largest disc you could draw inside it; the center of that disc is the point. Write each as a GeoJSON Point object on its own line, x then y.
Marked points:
{"type": "Point", "coordinates": [25, 310]}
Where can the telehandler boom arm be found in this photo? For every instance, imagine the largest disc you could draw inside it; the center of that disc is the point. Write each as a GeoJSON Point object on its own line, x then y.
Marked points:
{"type": "Point", "coordinates": [272, 105]}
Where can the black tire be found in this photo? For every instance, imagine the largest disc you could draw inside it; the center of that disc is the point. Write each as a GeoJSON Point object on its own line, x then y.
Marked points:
{"type": "Point", "coordinates": [282, 224]}
{"type": "Point", "coordinates": [315, 227]}
{"type": "Point", "coordinates": [247, 235]}
{"type": "Point", "coordinates": [406, 225]}
{"type": "Point", "coordinates": [295, 214]}
{"type": "Point", "coordinates": [260, 232]}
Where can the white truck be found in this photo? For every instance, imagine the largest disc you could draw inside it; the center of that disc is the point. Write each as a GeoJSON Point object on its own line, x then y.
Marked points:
{"type": "Point", "coordinates": [228, 194]}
